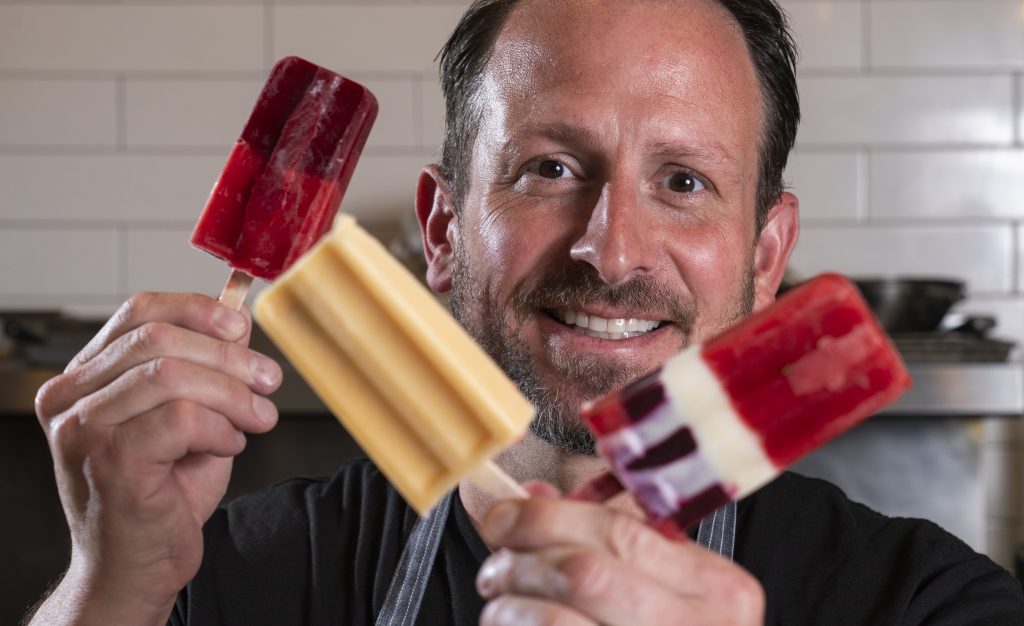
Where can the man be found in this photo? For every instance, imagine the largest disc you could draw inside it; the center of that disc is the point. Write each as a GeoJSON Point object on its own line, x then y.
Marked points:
{"type": "Point", "coordinates": [604, 160]}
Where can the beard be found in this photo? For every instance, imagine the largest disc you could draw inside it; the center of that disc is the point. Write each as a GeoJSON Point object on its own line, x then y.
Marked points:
{"type": "Point", "coordinates": [580, 377]}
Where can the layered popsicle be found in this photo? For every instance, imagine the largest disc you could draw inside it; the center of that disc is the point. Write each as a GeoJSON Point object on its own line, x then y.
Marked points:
{"type": "Point", "coordinates": [720, 420]}
{"type": "Point", "coordinates": [286, 175]}
{"type": "Point", "coordinates": [412, 388]}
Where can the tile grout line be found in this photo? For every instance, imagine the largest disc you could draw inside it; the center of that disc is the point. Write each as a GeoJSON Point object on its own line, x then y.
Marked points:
{"type": "Point", "coordinates": [121, 113]}
{"type": "Point", "coordinates": [268, 35]}
{"type": "Point", "coordinates": [1015, 261]}
{"type": "Point", "coordinates": [865, 53]}
{"type": "Point", "coordinates": [417, 121]}
{"type": "Point", "coordinates": [120, 264]}
{"type": "Point", "coordinates": [1016, 110]}
{"type": "Point", "coordinates": [864, 187]}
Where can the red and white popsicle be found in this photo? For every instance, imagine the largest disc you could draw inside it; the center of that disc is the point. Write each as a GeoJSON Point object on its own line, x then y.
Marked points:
{"type": "Point", "coordinates": [720, 420]}
{"type": "Point", "coordinates": [286, 175]}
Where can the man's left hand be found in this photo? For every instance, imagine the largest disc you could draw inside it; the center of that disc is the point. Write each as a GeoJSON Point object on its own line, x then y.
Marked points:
{"type": "Point", "coordinates": [570, 563]}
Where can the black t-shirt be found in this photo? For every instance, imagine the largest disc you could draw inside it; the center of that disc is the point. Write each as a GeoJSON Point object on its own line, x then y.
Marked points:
{"type": "Point", "coordinates": [323, 551]}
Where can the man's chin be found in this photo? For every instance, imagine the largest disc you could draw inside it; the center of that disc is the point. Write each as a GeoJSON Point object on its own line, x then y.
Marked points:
{"type": "Point", "coordinates": [567, 433]}
{"type": "Point", "coordinates": [582, 378]}
{"type": "Point", "coordinates": [559, 401]}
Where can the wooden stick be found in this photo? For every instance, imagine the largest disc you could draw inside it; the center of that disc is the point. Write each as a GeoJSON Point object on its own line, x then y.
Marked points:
{"type": "Point", "coordinates": [235, 289]}
{"type": "Point", "coordinates": [493, 481]}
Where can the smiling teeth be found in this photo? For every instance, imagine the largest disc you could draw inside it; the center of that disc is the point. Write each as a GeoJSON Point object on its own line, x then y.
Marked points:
{"type": "Point", "coordinates": [614, 329]}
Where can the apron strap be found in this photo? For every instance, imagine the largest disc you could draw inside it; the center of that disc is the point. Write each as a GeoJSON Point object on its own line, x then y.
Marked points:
{"type": "Point", "coordinates": [405, 594]}
{"type": "Point", "coordinates": [717, 532]}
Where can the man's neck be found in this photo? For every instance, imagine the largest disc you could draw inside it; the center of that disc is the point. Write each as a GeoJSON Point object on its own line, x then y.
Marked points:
{"type": "Point", "coordinates": [535, 459]}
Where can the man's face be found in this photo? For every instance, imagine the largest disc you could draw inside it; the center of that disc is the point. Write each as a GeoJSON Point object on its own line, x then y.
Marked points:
{"type": "Point", "coordinates": [609, 218]}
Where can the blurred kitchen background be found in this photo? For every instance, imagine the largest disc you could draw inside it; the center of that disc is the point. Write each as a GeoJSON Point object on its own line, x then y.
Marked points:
{"type": "Point", "coordinates": [115, 118]}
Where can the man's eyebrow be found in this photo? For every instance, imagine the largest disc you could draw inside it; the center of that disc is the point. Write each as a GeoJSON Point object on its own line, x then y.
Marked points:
{"type": "Point", "coordinates": [711, 153]}
{"type": "Point", "coordinates": [571, 134]}
{"type": "Point", "coordinates": [564, 133]}
{"type": "Point", "coordinates": [558, 132]}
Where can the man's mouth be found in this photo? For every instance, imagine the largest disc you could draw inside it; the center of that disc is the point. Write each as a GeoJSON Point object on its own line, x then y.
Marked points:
{"type": "Point", "coordinates": [615, 329]}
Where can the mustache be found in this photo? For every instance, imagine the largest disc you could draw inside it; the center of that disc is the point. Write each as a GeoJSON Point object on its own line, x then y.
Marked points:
{"type": "Point", "coordinates": [580, 287]}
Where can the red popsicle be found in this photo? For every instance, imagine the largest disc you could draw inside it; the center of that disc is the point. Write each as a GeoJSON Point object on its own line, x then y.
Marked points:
{"type": "Point", "coordinates": [718, 421]}
{"type": "Point", "coordinates": [285, 177]}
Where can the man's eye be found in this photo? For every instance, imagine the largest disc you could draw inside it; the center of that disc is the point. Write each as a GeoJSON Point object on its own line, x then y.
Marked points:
{"type": "Point", "coordinates": [684, 182]}
{"type": "Point", "coordinates": [552, 169]}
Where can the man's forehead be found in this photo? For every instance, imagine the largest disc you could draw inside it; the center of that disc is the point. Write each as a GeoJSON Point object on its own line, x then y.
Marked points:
{"type": "Point", "coordinates": [552, 41]}
{"type": "Point", "coordinates": [673, 71]}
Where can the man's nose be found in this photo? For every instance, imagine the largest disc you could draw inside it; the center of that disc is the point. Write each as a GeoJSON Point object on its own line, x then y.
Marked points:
{"type": "Point", "coordinates": [617, 241]}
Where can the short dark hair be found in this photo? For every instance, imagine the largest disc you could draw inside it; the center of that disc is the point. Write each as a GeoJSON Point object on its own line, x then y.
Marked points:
{"type": "Point", "coordinates": [467, 52]}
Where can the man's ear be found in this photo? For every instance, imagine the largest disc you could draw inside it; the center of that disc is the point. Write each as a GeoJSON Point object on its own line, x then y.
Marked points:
{"type": "Point", "coordinates": [436, 217]}
{"type": "Point", "coordinates": [773, 247]}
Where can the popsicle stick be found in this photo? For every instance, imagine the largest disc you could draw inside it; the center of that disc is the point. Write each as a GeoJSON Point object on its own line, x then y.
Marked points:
{"type": "Point", "coordinates": [492, 480]}
{"type": "Point", "coordinates": [235, 289]}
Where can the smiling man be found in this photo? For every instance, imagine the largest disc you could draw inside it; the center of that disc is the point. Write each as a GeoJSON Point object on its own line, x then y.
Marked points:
{"type": "Point", "coordinates": [613, 183]}
{"type": "Point", "coordinates": [610, 192]}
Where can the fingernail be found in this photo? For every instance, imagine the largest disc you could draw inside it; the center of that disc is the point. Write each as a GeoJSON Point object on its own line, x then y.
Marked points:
{"type": "Point", "coordinates": [230, 323]}
{"type": "Point", "coordinates": [502, 518]}
{"type": "Point", "coordinates": [486, 579]}
{"type": "Point", "coordinates": [264, 409]}
{"type": "Point", "coordinates": [264, 371]}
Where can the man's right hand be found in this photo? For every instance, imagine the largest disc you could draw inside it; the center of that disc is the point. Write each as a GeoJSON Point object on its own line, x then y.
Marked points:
{"type": "Point", "coordinates": [143, 425]}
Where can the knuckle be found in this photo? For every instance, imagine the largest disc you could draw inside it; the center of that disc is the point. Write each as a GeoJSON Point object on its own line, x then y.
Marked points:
{"type": "Point", "coordinates": [228, 353]}
{"type": "Point", "coordinates": [48, 396]}
{"type": "Point", "coordinates": [65, 434]}
{"type": "Point", "coordinates": [136, 307]}
{"type": "Point", "coordinates": [182, 414]}
{"type": "Point", "coordinates": [626, 536]}
{"type": "Point", "coordinates": [162, 371]}
{"type": "Point", "coordinates": [152, 338]}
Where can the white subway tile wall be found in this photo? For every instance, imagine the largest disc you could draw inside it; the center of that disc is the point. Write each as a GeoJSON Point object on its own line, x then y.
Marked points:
{"type": "Point", "coordinates": [103, 187]}
{"type": "Point", "coordinates": [144, 254]}
{"type": "Point", "coordinates": [115, 118]}
{"type": "Point", "coordinates": [907, 110]}
{"type": "Point", "coordinates": [918, 250]}
{"type": "Point", "coordinates": [831, 185]}
{"type": "Point", "coordinates": [982, 35]}
{"type": "Point", "coordinates": [968, 184]}
{"type": "Point", "coordinates": [186, 113]}
{"type": "Point", "coordinates": [117, 38]}
{"type": "Point", "coordinates": [829, 34]}
{"type": "Point", "coordinates": [46, 112]}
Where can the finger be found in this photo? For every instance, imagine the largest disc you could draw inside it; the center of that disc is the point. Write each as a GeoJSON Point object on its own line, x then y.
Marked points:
{"type": "Point", "coordinates": [591, 582]}
{"type": "Point", "coordinates": [247, 314]}
{"type": "Point", "coordinates": [189, 310]}
{"type": "Point", "coordinates": [541, 489]}
{"type": "Point", "coordinates": [160, 339]}
{"type": "Point", "coordinates": [163, 380]}
{"type": "Point", "coordinates": [174, 430]}
{"type": "Point", "coordinates": [545, 522]}
{"type": "Point", "coordinates": [510, 610]}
